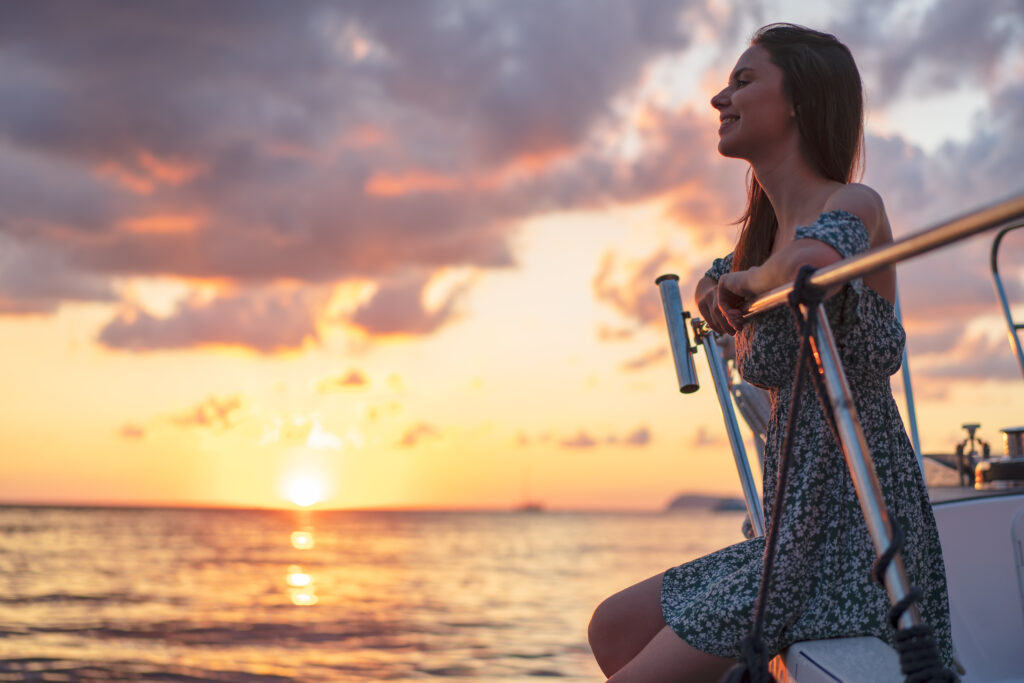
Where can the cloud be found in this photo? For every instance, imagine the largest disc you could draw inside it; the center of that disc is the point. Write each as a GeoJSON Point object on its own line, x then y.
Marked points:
{"type": "Point", "coordinates": [583, 440]}
{"type": "Point", "coordinates": [972, 358]}
{"type": "Point", "coordinates": [906, 50]}
{"type": "Point", "coordinates": [132, 432]}
{"type": "Point", "coordinates": [418, 433]}
{"type": "Point", "coordinates": [638, 437]}
{"type": "Point", "coordinates": [306, 430]}
{"type": "Point", "coordinates": [34, 280]}
{"type": "Point", "coordinates": [353, 378]}
{"type": "Point", "coordinates": [264, 321]}
{"type": "Point", "coordinates": [704, 439]}
{"type": "Point", "coordinates": [321, 439]}
{"type": "Point", "coordinates": [317, 143]}
{"type": "Point", "coordinates": [219, 412]}
{"type": "Point", "coordinates": [397, 307]}
{"type": "Point", "coordinates": [940, 292]}
{"type": "Point", "coordinates": [255, 143]}
{"type": "Point", "coordinates": [652, 357]}
{"type": "Point", "coordinates": [629, 287]}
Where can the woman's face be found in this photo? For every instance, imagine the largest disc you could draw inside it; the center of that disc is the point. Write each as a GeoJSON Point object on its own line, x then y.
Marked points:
{"type": "Point", "coordinates": [755, 114]}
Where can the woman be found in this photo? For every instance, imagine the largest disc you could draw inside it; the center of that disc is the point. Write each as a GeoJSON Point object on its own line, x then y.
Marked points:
{"type": "Point", "coordinates": [793, 109]}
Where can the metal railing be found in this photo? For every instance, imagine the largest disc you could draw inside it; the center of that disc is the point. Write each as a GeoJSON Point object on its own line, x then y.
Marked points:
{"type": "Point", "coordinates": [1014, 326]}
{"type": "Point", "coordinates": [940, 235]}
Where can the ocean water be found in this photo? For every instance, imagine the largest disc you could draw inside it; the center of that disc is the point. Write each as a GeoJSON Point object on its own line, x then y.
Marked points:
{"type": "Point", "coordinates": [195, 595]}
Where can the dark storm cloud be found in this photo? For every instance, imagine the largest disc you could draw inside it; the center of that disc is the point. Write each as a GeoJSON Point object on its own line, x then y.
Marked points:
{"type": "Point", "coordinates": [263, 321]}
{"type": "Point", "coordinates": [316, 141]}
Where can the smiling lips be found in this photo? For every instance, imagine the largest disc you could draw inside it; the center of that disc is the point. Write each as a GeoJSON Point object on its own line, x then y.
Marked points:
{"type": "Point", "coordinates": [726, 122]}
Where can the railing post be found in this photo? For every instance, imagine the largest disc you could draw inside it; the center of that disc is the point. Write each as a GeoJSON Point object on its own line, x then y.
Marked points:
{"type": "Point", "coordinates": [719, 374]}
{"type": "Point", "coordinates": [908, 392]}
{"type": "Point", "coordinates": [862, 468]}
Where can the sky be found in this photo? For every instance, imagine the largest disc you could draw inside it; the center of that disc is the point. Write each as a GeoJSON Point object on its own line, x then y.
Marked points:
{"type": "Point", "coordinates": [382, 254]}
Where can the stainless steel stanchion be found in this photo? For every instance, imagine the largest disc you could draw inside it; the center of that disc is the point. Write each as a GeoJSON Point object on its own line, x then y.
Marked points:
{"type": "Point", "coordinates": [862, 468]}
{"type": "Point", "coordinates": [686, 373]}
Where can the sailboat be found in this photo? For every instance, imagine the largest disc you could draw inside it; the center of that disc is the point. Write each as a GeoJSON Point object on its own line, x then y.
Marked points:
{"type": "Point", "coordinates": [979, 511]}
{"type": "Point", "coordinates": [528, 503]}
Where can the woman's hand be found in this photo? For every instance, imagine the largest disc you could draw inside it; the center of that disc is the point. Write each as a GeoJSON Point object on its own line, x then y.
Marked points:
{"type": "Point", "coordinates": [707, 304]}
{"type": "Point", "coordinates": [732, 291]}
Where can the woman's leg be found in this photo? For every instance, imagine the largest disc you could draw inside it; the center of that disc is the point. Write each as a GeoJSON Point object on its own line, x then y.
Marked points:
{"type": "Point", "coordinates": [624, 624]}
{"type": "Point", "coordinates": [667, 658]}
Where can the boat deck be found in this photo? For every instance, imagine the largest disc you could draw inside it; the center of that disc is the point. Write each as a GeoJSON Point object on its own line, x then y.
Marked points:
{"type": "Point", "coordinates": [950, 494]}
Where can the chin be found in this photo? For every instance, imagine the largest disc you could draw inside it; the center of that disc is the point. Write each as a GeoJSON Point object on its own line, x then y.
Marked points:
{"type": "Point", "coordinates": [727, 150]}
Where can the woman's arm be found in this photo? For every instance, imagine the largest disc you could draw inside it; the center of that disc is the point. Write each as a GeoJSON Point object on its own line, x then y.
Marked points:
{"type": "Point", "coordinates": [783, 266]}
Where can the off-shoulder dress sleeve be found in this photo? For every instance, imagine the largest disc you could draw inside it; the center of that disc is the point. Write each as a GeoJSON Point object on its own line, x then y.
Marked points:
{"type": "Point", "coordinates": [720, 267]}
{"type": "Point", "coordinates": [845, 232]}
{"type": "Point", "coordinates": [841, 230]}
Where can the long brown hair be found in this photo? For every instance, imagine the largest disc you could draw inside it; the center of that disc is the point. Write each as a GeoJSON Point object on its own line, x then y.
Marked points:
{"type": "Point", "coordinates": [821, 79]}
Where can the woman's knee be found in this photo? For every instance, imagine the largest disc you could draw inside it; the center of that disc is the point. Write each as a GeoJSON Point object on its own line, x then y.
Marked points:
{"type": "Point", "coordinates": [604, 622]}
{"type": "Point", "coordinates": [623, 624]}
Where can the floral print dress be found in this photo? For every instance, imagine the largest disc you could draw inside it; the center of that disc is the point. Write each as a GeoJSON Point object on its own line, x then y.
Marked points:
{"type": "Point", "coordinates": [822, 585]}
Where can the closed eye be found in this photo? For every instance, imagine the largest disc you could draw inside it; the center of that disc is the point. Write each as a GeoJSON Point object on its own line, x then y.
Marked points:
{"type": "Point", "coordinates": [740, 82]}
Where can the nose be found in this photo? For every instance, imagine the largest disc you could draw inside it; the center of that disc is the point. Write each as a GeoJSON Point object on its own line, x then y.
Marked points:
{"type": "Point", "coordinates": [720, 100]}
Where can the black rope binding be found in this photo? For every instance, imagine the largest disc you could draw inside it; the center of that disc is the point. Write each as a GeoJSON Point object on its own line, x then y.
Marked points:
{"type": "Point", "coordinates": [919, 654]}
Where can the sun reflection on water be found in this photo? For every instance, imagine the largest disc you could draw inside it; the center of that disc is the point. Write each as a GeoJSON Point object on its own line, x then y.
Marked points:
{"type": "Point", "coordinates": [303, 540]}
{"type": "Point", "coordinates": [298, 578]}
{"type": "Point", "coordinates": [301, 586]}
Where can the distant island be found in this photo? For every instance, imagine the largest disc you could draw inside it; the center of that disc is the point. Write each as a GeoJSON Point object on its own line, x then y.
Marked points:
{"type": "Point", "coordinates": [700, 501]}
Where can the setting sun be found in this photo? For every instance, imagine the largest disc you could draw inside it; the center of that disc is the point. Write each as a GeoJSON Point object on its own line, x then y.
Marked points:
{"type": "Point", "coordinates": [305, 491]}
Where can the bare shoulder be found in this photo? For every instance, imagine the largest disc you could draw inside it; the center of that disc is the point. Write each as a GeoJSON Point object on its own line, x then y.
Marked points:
{"type": "Point", "coordinates": [866, 204]}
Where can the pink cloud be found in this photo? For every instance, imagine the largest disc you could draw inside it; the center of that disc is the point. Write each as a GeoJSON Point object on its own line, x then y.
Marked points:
{"type": "Point", "coordinates": [265, 322]}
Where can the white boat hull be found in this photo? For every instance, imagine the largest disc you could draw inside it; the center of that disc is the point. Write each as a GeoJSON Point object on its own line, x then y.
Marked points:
{"type": "Point", "coordinates": [983, 549]}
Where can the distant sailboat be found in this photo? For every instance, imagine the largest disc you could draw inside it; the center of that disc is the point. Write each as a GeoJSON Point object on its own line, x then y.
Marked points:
{"type": "Point", "coordinates": [528, 504]}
